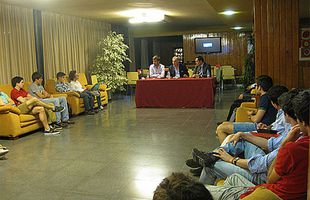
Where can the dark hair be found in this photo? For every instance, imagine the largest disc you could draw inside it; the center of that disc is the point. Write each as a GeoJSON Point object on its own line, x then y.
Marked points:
{"type": "Point", "coordinates": [72, 75]}
{"type": "Point", "coordinates": [156, 57]}
{"type": "Point", "coordinates": [200, 58]}
{"type": "Point", "coordinates": [285, 102]}
{"type": "Point", "coordinates": [265, 82]}
{"type": "Point", "coordinates": [15, 80]}
{"type": "Point", "coordinates": [301, 105]}
{"type": "Point", "coordinates": [35, 76]}
{"type": "Point", "coordinates": [275, 92]}
{"type": "Point", "coordinates": [60, 74]}
{"type": "Point", "coordinates": [181, 187]}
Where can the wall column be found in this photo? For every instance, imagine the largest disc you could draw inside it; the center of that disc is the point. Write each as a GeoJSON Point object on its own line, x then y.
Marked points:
{"type": "Point", "coordinates": [276, 24]}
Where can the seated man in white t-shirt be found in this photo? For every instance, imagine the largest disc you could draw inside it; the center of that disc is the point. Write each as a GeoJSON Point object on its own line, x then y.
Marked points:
{"type": "Point", "coordinates": [157, 70]}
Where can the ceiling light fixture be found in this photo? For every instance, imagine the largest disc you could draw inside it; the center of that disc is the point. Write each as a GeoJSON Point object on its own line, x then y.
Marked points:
{"type": "Point", "coordinates": [237, 27]}
{"type": "Point", "coordinates": [144, 15]}
{"type": "Point", "coordinates": [228, 12]}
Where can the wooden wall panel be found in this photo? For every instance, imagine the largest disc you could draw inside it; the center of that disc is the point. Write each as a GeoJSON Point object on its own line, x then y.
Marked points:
{"type": "Point", "coordinates": [276, 40]}
{"type": "Point", "coordinates": [234, 49]}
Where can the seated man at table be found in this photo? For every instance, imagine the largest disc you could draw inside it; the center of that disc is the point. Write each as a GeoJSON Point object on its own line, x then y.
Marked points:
{"type": "Point", "coordinates": [202, 69]}
{"type": "Point", "coordinates": [157, 70]}
{"type": "Point", "coordinates": [177, 70]}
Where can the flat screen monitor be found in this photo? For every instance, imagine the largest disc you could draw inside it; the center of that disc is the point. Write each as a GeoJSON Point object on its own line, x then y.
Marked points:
{"type": "Point", "coordinates": [208, 45]}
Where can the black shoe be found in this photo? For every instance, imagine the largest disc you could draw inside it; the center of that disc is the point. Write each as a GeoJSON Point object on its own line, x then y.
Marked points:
{"type": "Point", "coordinates": [89, 112]}
{"type": "Point", "coordinates": [55, 127]}
{"type": "Point", "coordinates": [58, 109]}
{"type": "Point", "coordinates": [69, 122]}
{"type": "Point", "coordinates": [192, 164]}
{"type": "Point", "coordinates": [204, 159]}
{"type": "Point", "coordinates": [196, 172]}
{"type": "Point", "coordinates": [62, 124]}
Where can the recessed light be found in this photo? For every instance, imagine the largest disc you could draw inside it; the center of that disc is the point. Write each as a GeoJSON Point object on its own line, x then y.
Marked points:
{"type": "Point", "coordinates": [228, 12]}
{"type": "Point", "coordinates": [237, 27]}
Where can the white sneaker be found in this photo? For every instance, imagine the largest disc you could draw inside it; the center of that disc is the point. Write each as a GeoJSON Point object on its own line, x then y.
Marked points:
{"type": "Point", "coordinates": [101, 108]}
{"type": "Point", "coordinates": [51, 132]}
{"type": "Point", "coordinates": [3, 152]}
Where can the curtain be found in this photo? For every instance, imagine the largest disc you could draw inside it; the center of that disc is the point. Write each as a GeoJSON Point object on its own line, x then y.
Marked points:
{"type": "Point", "coordinates": [69, 42]}
{"type": "Point", "coordinates": [17, 43]}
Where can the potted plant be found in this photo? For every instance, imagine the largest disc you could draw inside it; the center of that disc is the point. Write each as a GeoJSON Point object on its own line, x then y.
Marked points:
{"type": "Point", "coordinates": [249, 64]}
{"type": "Point", "coordinates": [108, 65]}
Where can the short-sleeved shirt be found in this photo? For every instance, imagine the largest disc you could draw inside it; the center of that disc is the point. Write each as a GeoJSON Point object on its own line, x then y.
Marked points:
{"type": "Point", "coordinates": [292, 166]}
{"type": "Point", "coordinates": [270, 112]}
{"type": "Point", "coordinates": [18, 93]}
{"type": "Point", "coordinates": [62, 87]}
{"type": "Point", "coordinates": [34, 88]}
{"type": "Point", "coordinates": [4, 97]}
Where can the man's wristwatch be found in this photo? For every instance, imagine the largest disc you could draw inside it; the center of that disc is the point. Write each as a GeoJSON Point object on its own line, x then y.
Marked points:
{"type": "Point", "coordinates": [235, 160]}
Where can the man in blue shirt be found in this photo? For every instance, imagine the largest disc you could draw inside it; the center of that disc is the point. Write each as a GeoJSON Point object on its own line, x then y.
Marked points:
{"type": "Point", "coordinates": [265, 114]}
{"type": "Point", "coordinates": [255, 162]}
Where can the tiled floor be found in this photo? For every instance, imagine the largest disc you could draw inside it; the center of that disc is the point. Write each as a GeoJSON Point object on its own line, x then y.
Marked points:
{"type": "Point", "coordinates": [120, 153]}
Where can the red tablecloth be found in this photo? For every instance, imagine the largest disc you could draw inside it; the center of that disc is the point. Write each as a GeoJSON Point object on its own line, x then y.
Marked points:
{"type": "Point", "coordinates": [175, 93]}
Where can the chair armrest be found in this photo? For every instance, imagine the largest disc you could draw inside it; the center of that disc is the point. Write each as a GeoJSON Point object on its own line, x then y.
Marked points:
{"type": "Point", "coordinates": [60, 95]}
{"type": "Point", "coordinates": [248, 105]}
{"type": "Point", "coordinates": [6, 109]}
{"type": "Point", "coordinates": [72, 93]}
{"type": "Point", "coordinates": [88, 87]}
{"type": "Point", "coordinates": [242, 115]}
{"type": "Point", "coordinates": [102, 87]}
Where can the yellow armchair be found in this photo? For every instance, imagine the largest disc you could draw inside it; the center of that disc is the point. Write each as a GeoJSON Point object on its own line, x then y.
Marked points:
{"type": "Point", "coordinates": [262, 193]}
{"type": "Point", "coordinates": [13, 123]}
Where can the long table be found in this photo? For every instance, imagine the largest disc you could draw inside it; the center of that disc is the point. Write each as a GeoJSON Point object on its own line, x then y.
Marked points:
{"type": "Point", "coordinates": [175, 93]}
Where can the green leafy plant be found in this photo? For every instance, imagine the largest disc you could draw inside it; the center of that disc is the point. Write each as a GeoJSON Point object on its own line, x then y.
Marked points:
{"type": "Point", "coordinates": [249, 68]}
{"type": "Point", "coordinates": [108, 65]}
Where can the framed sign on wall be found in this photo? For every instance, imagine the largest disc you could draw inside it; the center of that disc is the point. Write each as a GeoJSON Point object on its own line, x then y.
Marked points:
{"type": "Point", "coordinates": [304, 47]}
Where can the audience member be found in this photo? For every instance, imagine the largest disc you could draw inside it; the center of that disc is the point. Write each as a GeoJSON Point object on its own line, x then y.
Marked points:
{"type": "Point", "coordinates": [29, 104]}
{"type": "Point", "coordinates": [202, 69]}
{"type": "Point", "coordinates": [246, 156]}
{"type": "Point", "coordinates": [178, 186]}
{"type": "Point", "coordinates": [36, 89]}
{"type": "Point", "coordinates": [265, 113]}
{"type": "Point", "coordinates": [157, 70]}
{"type": "Point", "coordinates": [87, 96]}
{"type": "Point", "coordinates": [287, 177]}
{"type": "Point", "coordinates": [177, 70]}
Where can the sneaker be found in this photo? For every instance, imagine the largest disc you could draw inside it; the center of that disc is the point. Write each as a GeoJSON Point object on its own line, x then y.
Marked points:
{"type": "Point", "coordinates": [62, 124]}
{"type": "Point", "coordinates": [196, 172]}
{"type": "Point", "coordinates": [192, 164]}
{"type": "Point", "coordinates": [69, 122]}
{"type": "Point", "coordinates": [55, 127]}
{"type": "Point", "coordinates": [101, 108]}
{"type": "Point", "coordinates": [204, 159]}
{"type": "Point", "coordinates": [89, 112]}
{"type": "Point", "coordinates": [51, 132]}
{"type": "Point", "coordinates": [58, 109]}
{"type": "Point", "coordinates": [3, 151]}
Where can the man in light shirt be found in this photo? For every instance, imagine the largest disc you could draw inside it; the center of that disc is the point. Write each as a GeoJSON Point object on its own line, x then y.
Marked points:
{"type": "Point", "coordinates": [157, 70]}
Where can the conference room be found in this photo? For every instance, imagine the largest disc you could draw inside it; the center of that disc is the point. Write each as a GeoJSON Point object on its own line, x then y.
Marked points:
{"type": "Point", "coordinates": [154, 99]}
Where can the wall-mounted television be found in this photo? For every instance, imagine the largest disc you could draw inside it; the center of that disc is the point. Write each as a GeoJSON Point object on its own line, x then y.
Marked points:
{"type": "Point", "coordinates": [208, 45]}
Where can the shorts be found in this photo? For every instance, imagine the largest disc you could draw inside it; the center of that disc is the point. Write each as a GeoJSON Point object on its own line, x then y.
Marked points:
{"type": "Point", "coordinates": [244, 127]}
{"type": "Point", "coordinates": [24, 108]}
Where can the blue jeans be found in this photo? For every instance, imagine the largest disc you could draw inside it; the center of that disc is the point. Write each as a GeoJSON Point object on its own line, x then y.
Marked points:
{"type": "Point", "coordinates": [88, 100]}
{"type": "Point", "coordinates": [59, 101]}
{"type": "Point", "coordinates": [244, 127]}
{"type": "Point", "coordinates": [222, 169]}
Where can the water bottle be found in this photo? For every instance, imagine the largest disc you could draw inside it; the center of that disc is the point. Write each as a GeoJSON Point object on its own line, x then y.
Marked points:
{"type": "Point", "coordinates": [168, 74]}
